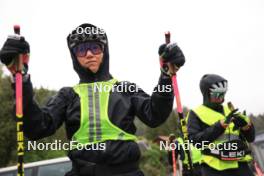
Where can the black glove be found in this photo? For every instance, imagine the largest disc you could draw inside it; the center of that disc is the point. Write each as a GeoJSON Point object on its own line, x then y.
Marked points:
{"type": "Point", "coordinates": [239, 121]}
{"type": "Point", "coordinates": [230, 116]}
{"type": "Point", "coordinates": [171, 53]}
{"type": "Point", "coordinates": [14, 46]}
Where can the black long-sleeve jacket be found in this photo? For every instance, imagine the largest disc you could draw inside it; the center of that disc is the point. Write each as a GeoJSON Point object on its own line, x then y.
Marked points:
{"type": "Point", "coordinates": [123, 107]}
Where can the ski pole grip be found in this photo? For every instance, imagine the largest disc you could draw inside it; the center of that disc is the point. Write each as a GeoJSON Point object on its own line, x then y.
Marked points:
{"type": "Point", "coordinates": [19, 61]}
{"type": "Point", "coordinates": [167, 41]}
{"type": "Point", "coordinates": [17, 29]}
{"type": "Point", "coordinates": [167, 37]}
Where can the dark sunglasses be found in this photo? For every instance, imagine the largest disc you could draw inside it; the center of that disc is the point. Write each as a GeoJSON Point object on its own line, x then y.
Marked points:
{"type": "Point", "coordinates": [81, 49]}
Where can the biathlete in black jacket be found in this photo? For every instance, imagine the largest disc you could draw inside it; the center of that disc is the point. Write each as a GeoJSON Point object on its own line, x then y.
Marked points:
{"type": "Point", "coordinates": [95, 111]}
{"type": "Point", "coordinates": [220, 131]}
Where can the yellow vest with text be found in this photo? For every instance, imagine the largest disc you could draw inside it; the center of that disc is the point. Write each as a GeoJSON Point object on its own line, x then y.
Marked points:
{"type": "Point", "coordinates": [210, 117]}
{"type": "Point", "coordinates": [95, 125]}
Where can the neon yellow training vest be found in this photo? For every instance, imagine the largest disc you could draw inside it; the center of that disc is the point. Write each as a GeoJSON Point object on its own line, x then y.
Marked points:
{"type": "Point", "coordinates": [95, 125]}
{"type": "Point", "coordinates": [195, 153]}
{"type": "Point", "coordinates": [210, 117]}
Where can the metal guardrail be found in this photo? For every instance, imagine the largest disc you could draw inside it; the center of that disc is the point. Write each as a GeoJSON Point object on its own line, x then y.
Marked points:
{"type": "Point", "coordinates": [58, 167]}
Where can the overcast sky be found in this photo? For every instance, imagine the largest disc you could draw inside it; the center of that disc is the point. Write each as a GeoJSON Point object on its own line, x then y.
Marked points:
{"type": "Point", "coordinates": [223, 37]}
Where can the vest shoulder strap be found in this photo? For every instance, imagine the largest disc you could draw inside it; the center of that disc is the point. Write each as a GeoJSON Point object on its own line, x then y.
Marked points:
{"type": "Point", "coordinates": [209, 116]}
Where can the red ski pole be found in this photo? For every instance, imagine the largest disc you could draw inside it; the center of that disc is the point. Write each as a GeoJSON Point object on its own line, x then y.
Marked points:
{"type": "Point", "coordinates": [183, 127]}
{"type": "Point", "coordinates": [174, 161]}
{"type": "Point", "coordinates": [19, 111]}
{"type": "Point", "coordinates": [258, 170]}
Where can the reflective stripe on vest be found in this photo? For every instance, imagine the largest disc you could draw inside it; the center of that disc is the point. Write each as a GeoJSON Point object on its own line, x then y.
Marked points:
{"type": "Point", "coordinates": [95, 125]}
{"type": "Point", "coordinates": [210, 117]}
